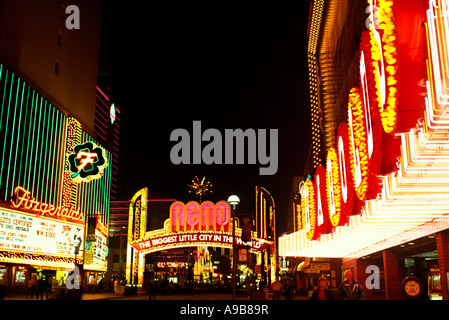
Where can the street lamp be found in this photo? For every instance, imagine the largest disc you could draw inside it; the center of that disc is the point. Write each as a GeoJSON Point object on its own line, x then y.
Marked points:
{"type": "Point", "coordinates": [233, 201]}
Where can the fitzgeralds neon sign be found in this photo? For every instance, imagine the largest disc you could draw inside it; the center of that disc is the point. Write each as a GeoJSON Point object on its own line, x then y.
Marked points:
{"type": "Point", "coordinates": [204, 216]}
{"type": "Point", "coordinates": [354, 164]}
{"type": "Point", "coordinates": [24, 201]}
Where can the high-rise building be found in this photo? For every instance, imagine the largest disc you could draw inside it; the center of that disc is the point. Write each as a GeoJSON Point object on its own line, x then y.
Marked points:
{"type": "Point", "coordinates": [55, 169]}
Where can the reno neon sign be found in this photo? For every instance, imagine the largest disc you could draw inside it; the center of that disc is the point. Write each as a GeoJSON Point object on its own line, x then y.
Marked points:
{"type": "Point", "coordinates": [204, 216]}
{"type": "Point", "coordinates": [353, 165]}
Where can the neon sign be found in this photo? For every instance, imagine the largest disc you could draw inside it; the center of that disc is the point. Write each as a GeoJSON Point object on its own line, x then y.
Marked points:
{"type": "Point", "coordinates": [344, 170]}
{"type": "Point", "coordinates": [355, 161]}
{"type": "Point", "coordinates": [194, 238]}
{"type": "Point", "coordinates": [358, 145]}
{"type": "Point", "coordinates": [87, 162]}
{"type": "Point", "coordinates": [382, 62]}
{"type": "Point", "coordinates": [204, 216]}
{"type": "Point", "coordinates": [24, 201]}
{"type": "Point", "coordinates": [322, 214]}
{"type": "Point", "coordinates": [309, 210]}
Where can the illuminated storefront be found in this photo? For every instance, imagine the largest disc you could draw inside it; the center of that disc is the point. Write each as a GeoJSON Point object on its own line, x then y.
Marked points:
{"type": "Point", "coordinates": [54, 177]}
{"type": "Point", "coordinates": [387, 164]}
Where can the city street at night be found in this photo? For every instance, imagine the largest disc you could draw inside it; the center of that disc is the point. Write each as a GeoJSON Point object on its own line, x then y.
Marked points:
{"type": "Point", "coordinates": [256, 157]}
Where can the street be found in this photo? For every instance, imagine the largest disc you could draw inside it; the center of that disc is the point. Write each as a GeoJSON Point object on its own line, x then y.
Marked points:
{"type": "Point", "coordinates": [166, 296]}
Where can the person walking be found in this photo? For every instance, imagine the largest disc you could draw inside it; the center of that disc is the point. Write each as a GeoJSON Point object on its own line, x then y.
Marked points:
{"type": "Point", "coordinates": [277, 289]}
{"type": "Point", "coordinates": [322, 291]}
{"type": "Point", "coordinates": [351, 289]}
{"type": "Point", "coordinates": [41, 287]}
{"type": "Point", "coordinates": [288, 290]}
{"type": "Point", "coordinates": [3, 284]}
{"type": "Point", "coordinates": [33, 286]}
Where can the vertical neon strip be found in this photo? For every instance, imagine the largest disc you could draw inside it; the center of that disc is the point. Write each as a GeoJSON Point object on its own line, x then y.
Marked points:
{"type": "Point", "coordinates": [30, 135]}
{"type": "Point", "coordinates": [57, 154]}
{"type": "Point", "coordinates": [19, 182]}
{"type": "Point", "coordinates": [17, 168]}
{"type": "Point", "coordinates": [108, 197]}
{"type": "Point", "coordinates": [55, 161]}
{"type": "Point", "coordinates": [51, 151]}
{"type": "Point", "coordinates": [61, 147]}
{"type": "Point", "coordinates": [38, 146]}
{"type": "Point", "coordinates": [6, 137]}
{"type": "Point", "coordinates": [13, 127]}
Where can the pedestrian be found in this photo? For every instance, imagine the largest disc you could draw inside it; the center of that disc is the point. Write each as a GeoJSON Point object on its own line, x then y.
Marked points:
{"type": "Point", "coordinates": [151, 289]}
{"type": "Point", "coordinates": [351, 289]}
{"type": "Point", "coordinates": [3, 284]}
{"type": "Point", "coordinates": [33, 286]}
{"type": "Point", "coordinates": [321, 292]}
{"type": "Point", "coordinates": [49, 286]}
{"type": "Point", "coordinates": [277, 289]}
{"type": "Point", "coordinates": [41, 287]}
{"type": "Point", "coordinates": [288, 290]}
{"type": "Point", "coordinates": [299, 287]}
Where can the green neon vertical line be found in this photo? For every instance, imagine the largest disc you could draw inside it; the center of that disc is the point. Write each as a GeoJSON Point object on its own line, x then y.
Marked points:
{"type": "Point", "coordinates": [3, 100]}
{"type": "Point", "coordinates": [36, 160]}
{"type": "Point", "coordinates": [46, 173]}
{"type": "Point", "coordinates": [54, 162]}
{"type": "Point", "coordinates": [5, 127]}
{"type": "Point", "coordinates": [1, 121]}
{"type": "Point", "coordinates": [30, 138]}
{"type": "Point", "coordinates": [50, 152]}
{"type": "Point", "coordinates": [34, 144]}
{"type": "Point", "coordinates": [6, 138]}
{"type": "Point", "coordinates": [13, 127]}
{"type": "Point", "coordinates": [57, 153]}
{"type": "Point", "coordinates": [17, 168]}
{"type": "Point", "coordinates": [23, 141]}
{"type": "Point", "coordinates": [43, 153]}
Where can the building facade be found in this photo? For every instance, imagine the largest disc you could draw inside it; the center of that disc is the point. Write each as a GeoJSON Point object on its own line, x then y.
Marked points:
{"type": "Point", "coordinates": [378, 197]}
{"type": "Point", "coordinates": [55, 170]}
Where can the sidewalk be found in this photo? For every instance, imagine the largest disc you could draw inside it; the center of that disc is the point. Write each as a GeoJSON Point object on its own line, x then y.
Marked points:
{"type": "Point", "coordinates": [86, 296]}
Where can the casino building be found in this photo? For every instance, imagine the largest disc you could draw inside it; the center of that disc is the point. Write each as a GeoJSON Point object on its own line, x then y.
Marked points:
{"type": "Point", "coordinates": [56, 156]}
{"type": "Point", "coordinates": [377, 195]}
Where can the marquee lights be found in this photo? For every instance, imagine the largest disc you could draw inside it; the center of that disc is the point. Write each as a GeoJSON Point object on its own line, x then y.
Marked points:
{"type": "Point", "coordinates": [381, 42]}
{"type": "Point", "coordinates": [358, 142]}
{"type": "Point", "coordinates": [322, 213]}
{"type": "Point", "coordinates": [351, 166]}
{"type": "Point", "coordinates": [155, 241]}
{"type": "Point", "coordinates": [414, 200]}
{"type": "Point", "coordinates": [309, 210]}
{"type": "Point", "coordinates": [334, 194]}
{"type": "Point", "coordinates": [344, 169]}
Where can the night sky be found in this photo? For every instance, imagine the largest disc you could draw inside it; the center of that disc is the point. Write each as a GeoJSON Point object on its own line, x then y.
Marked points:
{"type": "Point", "coordinates": [230, 65]}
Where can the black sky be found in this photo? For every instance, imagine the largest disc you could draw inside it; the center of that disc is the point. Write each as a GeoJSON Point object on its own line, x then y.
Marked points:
{"type": "Point", "coordinates": [228, 64]}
